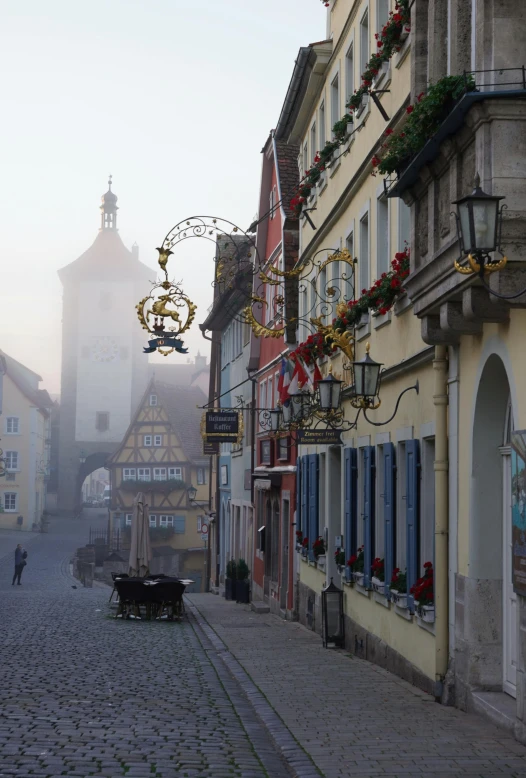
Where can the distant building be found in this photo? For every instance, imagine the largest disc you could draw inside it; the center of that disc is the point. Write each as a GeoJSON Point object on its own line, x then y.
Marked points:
{"type": "Point", "coordinates": [25, 434]}
{"type": "Point", "coordinates": [161, 455]}
{"type": "Point", "coordinates": [104, 369]}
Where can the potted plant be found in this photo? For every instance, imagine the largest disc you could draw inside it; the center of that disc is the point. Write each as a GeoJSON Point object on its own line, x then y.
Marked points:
{"type": "Point", "coordinates": [299, 539]}
{"type": "Point", "coordinates": [398, 588]}
{"type": "Point", "coordinates": [230, 580]}
{"type": "Point", "coordinates": [242, 582]}
{"type": "Point", "coordinates": [318, 549]}
{"type": "Point", "coordinates": [378, 575]}
{"type": "Point", "coordinates": [356, 563]}
{"type": "Point", "coordinates": [424, 594]}
{"type": "Point", "coordinates": [339, 558]}
{"type": "Point", "coordinates": [304, 547]}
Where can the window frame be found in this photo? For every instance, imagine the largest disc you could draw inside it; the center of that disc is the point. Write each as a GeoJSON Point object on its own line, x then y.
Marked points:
{"type": "Point", "coordinates": [145, 439]}
{"type": "Point", "coordinates": [160, 470]}
{"type": "Point", "coordinates": [10, 468]}
{"type": "Point", "coordinates": [5, 496]}
{"type": "Point", "coordinates": [144, 470]}
{"type": "Point", "coordinates": [364, 267]}
{"type": "Point", "coordinates": [12, 419]}
{"type": "Point", "coordinates": [129, 470]}
{"type": "Point", "coordinates": [175, 477]}
{"type": "Point", "coordinates": [177, 519]}
{"type": "Point", "coordinates": [128, 519]}
{"type": "Point", "coordinates": [335, 98]}
{"type": "Point", "coordinates": [322, 119]}
{"type": "Point", "coordinates": [364, 38]}
{"type": "Point", "coordinates": [382, 229]}
{"type": "Point", "coordinates": [201, 476]}
{"type": "Point", "coordinates": [153, 400]}
{"type": "Point", "coordinates": [157, 438]}
{"type": "Point", "coordinates": [166, 520]}
{"type": "Point", "coordinates": [99, 417]}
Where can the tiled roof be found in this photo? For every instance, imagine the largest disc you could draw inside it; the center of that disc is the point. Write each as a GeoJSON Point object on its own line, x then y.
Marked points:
{"type": "Point", "coordinates": [287, 164]}
{"type": "Point", "coordinates": [26, 381]}
{"type": "Point", "coordinates": [106, 257]}
{"type": "Point", "coordinates": [180, 403]}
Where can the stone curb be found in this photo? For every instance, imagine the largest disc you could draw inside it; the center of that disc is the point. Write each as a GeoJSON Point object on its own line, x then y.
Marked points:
{"type": "Point", "coordinates": [298, 760]}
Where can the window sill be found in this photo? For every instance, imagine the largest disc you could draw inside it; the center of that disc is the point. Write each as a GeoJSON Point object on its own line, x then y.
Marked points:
{"type": "Point", "coordinates": [10, 510]}
{"type": "Point", "coordinates": [382, 320]}
{"type": "Point", "coordinates": [428, 626]}
{"type": "Point", "coordinates": [381, 599]}
{"type": "Point", "coordinates": [362, 590]}
{"type": "Point", "coordinates": [402, 304]}
{"type": "Point", "coordinates": [364, 329]}
{"type": "Point", "coordinates": [404, 51]}
{"type": "Point", "coordinates": [404, 613]}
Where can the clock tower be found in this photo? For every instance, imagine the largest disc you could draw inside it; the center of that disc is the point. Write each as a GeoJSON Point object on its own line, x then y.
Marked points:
{"type": "Point", "coordinates": [104, 369]}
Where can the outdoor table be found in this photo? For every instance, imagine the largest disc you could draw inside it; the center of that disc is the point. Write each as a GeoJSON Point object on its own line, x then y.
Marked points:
{"type": "Point", "coordinates": [157, 597]}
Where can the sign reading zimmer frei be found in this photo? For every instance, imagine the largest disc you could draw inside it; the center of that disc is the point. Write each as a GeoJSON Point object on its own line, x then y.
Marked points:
{"type": "Point", "coordinates": [222, 426]}
{"type": "Point", "coordinates": [324, 437]}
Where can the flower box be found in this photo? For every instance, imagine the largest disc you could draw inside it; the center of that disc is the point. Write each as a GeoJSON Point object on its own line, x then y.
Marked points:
{"type": "Point", "coordinates": [350, 128]}
{"type": "Point", "coordinates": [404, 34]}
{"type": "Point", "coordinates": [320, 560]}
{"type": "Point", "coordinates": [399, 598]}
{"type": "Point", "coordinates": [358, 578]}
{"type": "Point", "coordinates": [381, 74]}
{"type": "Point", "coordinates": [425, 612]}
{"type": "Point", "coordinates": [378, 586]}
{"type": "Point", "coordinates": [298, 547]}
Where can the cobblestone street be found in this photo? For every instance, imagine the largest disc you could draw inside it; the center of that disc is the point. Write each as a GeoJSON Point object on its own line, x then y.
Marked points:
{"type": "Point", "coordinates": [86, 695]}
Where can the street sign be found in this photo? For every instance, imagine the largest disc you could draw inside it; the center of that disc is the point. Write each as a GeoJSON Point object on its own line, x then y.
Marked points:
{"type": "Point", "coordinates": [204, 529]}
{"type": "Point", "coordinates": [204, 537]}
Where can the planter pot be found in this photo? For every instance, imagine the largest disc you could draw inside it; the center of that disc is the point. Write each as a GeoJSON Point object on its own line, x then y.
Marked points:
{"type": "Point", "coordinates": [298, 546]}
{"type": "Point", "coordinates": [304, 551]}
{"type": "Point", "coordinates": [341, 569]}
{"type": "Point", "coordinates": [358, 578]}
{"type": "Point", "coordinates": [230, 588]}
{"type": "Point", "coordinates": [243, 591]}
{"type": "Point", "coordinates": [404, 34]}
{"type": "Point", "coordinates": [350, 128]}
{"type": "Point", "coordinates": [320, 561]}
{"type": "Point", "coordinates": [378, 586]}
{"type": "Point", "coordinates": [399, 598]}
{"type": "Point", "coordinates": [425, 612]}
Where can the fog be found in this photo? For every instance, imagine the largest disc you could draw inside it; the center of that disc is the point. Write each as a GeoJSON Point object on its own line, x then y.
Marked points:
{"type": "Point", "coordinates": [174, 98]}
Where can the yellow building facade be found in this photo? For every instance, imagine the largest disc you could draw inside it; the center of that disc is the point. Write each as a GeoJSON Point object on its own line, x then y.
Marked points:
{"type": "Point", "coordinates": [25, 442]}
{"type": "Point", "coordinates": [161, 456]}
{"type": "Point", "coordinates": [377, 491]}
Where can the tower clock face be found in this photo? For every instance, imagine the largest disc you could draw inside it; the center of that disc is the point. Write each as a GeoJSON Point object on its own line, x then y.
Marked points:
{"type": "Point", "coordinates": [104, 350]}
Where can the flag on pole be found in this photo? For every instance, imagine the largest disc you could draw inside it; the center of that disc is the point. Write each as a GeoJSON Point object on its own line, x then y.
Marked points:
{"type": "Point", "coordinates": [313, 376]}
{"type": "Point", "coordinates": [285, 375]}
{"type": "Point", "coordinates": [299, 378]}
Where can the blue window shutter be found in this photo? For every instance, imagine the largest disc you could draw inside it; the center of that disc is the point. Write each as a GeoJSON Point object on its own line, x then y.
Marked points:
{"type": "Point", "coordinates": [368, 512]}
{"type": "Point", "coordinates": [313, 502]}
{"type": "Point", "coordinates": [304, 495]}
{"type": "Point", "coordinates": [350, 480]}
{"type": "Point", "coordinates": [412, 468]}
{"type": "Point", "coordinates": [180, 525]}
{"type": "Point", "coordinates": [389, 512]}
{"type": "Point", "coordinates": [298, 497]}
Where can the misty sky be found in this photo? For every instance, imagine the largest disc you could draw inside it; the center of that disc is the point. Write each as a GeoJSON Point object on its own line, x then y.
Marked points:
{"type": "Point", "coordinates": [174, 98]}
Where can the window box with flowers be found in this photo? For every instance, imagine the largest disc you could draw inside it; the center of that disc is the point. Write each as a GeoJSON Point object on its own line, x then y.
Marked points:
{"type": "Point", "coordinates": [299, 540]}
{"type": "Point", "coordinates": [378, 576]}
{"type": "Point", "coordinates": [398, 588]}
{"type": "Point", "coordinates": [339, 558]}
{"type": "Point", "coordinates": [305, 548]}
{"type": "Point", "coordinates": [423, 592]}
{"type": "Point", "coordinates": [318, 549]}
{"type": "Point", "coordinates": [356, 563]}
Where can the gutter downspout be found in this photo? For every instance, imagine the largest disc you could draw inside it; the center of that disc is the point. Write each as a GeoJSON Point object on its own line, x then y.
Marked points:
{"type": "Point", "coordinates": [440, 401]}
{"type": "Point", "coordinates": [453, 424]}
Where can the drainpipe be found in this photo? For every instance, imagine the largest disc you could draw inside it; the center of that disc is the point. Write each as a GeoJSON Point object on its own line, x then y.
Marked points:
{"type": "Point", "coordinates": [440, 400]}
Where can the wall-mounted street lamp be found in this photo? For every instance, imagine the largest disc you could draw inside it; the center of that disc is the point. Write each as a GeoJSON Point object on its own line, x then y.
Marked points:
{"type": "Point", "coordinates": [479, 232]}
{"type": "Point", "coordinates": [330, 389]}
{"type": "Point", "coordinates": [192, 493]}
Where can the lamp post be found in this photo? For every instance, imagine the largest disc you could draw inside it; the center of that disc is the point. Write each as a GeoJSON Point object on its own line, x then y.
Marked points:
{"type": "Point", "coordinates": [332, 616]}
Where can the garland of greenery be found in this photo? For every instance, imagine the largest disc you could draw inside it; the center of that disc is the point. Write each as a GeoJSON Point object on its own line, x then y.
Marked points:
{"type": "Point", "coordinates": [388, 42]}
{"type": "Point", "coordinates": [379, 299]}
{"type": "Point", "coordinates": [424, 118]}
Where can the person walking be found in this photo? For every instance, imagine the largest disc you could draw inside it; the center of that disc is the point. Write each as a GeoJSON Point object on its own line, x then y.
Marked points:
{"type": "Point", "coordinates": [20, 563]}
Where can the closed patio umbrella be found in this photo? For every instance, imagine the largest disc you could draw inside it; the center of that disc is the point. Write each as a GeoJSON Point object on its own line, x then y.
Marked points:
{"type": "Point", "coordinates": [141, 550]}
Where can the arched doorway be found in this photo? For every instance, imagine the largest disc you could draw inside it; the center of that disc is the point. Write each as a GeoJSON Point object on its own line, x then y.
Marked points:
{"type": "Point", "coordinates": [87, 466]}
{"type": "Point", "coordinates": [489, 617]}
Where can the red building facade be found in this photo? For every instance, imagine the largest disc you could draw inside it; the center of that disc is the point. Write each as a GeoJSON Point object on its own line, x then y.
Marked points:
{"type": "Point", "coordinates": [275, 471]}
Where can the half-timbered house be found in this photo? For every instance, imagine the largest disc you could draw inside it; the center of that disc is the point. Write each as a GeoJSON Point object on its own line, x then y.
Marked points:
{"type": "Point", "coordinates": [161, 456]}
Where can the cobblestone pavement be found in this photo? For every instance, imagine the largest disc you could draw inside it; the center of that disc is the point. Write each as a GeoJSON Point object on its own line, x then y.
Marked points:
{"type": "Point", "coordinates": [352, 717]}
{"type": "Point", "coordinates": [83, 694]}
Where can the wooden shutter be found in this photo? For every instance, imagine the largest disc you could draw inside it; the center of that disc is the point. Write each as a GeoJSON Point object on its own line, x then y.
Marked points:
{"type": "Point", "coordinates": [298, 498]}
{"type": "Point", "coordinates": [368, 512]}
{"type": "Point", "coordinates": [304, 495]}
{"type": "Point", "coordinates": [350, 494]}
{"type": "Point", "coordinates": [313, 502]}
{"type": "Point", "coordinates": [412, 470]}
{"type": "Point", "coordinates": [389, 497]}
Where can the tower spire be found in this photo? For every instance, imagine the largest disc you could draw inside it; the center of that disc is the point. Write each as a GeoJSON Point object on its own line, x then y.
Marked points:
{"type": "Point", "coordinates": [108, 208]}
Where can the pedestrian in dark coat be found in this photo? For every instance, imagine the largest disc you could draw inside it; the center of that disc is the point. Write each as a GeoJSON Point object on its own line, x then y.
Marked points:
{"type": "Point", "coordinates": [20, 563]}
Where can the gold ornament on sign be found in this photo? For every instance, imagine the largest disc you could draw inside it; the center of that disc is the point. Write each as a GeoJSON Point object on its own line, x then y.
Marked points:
{"type": "Point", "coordinates": [164, 255]}
{"type": "Point", "coordinates": [344, 340]}
{"type": "Point", "coordinates": [259, 329]}
{"type": "Point", "coordinates": [172, 304]}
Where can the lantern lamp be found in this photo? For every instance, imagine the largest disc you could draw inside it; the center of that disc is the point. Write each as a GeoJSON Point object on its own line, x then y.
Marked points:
{"type": "Point", "coordinates": [478, 219]}
{"type": "Point", "coordinates": [300, 405]}
{"type": "Point", "coordinates": [287, 412]}
{"type": "Point", "coordinates": [330, 390]}
{"type": "Point", "coordinates": [332, 617]}
{"type": "Point", "coordinates": [275, 419]}
{"type": "Point", "coordinates": [192, 492]}
{"type": "Point", "coordinates": [366, 376]}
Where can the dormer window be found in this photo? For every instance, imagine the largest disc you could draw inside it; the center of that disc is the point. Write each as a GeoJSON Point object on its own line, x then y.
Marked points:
{"type": "Point", "coordinates": [153, 399]}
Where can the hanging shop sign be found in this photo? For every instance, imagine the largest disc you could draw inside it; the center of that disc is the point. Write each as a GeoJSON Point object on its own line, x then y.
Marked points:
{"type": "Point", "coordinates": [210, 447]}
{"type": "Point", "coordinates": [518, 510]}
{"type": "Point", "coordinates": [327, 437]}
{"type": "Point", "coordinates": [222, 427]}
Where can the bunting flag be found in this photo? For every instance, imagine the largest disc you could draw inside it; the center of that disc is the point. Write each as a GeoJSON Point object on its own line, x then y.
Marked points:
{"type": "Point", "coordinates": [313, 376]}
{"type": "Point", "coordinates": [299, 378]}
